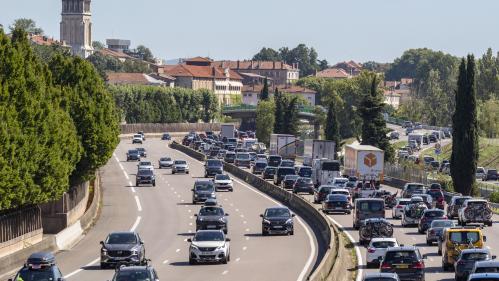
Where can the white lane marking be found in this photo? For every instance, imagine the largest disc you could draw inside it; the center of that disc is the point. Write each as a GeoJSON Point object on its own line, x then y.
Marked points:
{"type": "Point", "coordinates": [431, 259]}
{"type": "Point", "coordinates": [247, 238]}
{"type": "Point", "coordinates": [310, 237]}
{"type": "Point", "coordinates": [242, 216]}
{"type": "Point", "coordinates": [232, 205]}
{"type": "Point", "coordinates": [237, 210]}
{"type": "Point", "coordinates": [190, 223]}
{"type": "Point", "coordinates": [226, 199]}
{"type": "Point", "coordinates": [191, 217]}
{"type": "Point", "coordinates": [190, 231]}
{"type": "Point", "coordinates": [244, 248]}
{"type": "Point", "coordinates": [136, 224]}
{"type": "Point", "coordinates": [238, 259]}
{"type": "Point", "coordinates": [139, 207]}
{"type": "Point", "coordinates": [182, 200]}
{"type": "Point", "coordinates": [121, 167]}
{"type": "Point", "coordinates": [247, 229]}
{"type": "Point", "coordinates": [245, 222]}
{"type": "Point", "coordinates": [225, 272]}
{"type": "Point", "coordinates": [133, 189]}
{"type": "Point", "coordinates": [178, 196]}
{"type": "Point", "coordinates": [174, 192]}
{"type": "Point", "coordinates": [357, 250]}
{"type": "Point", "coordinates": [178, 250]}
{"type": "Point", "coordinates": [81, 269]}
{"type": "Point", "coordinates": [189, 211]}
{"type": "Point", "coordinates": [126, 175]}
{"type": "Point", "coordinates": [165, 261]}
{"type": "Point", "coordinates": [185, 240]}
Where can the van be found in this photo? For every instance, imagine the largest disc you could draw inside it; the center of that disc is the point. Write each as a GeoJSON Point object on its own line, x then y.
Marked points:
{"type": "Point", "coordinates": [456, 239]}
{"type": "Point", "coordinates": [366, 208]}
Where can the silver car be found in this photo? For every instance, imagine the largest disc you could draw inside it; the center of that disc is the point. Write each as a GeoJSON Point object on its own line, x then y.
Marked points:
{"type": "Point", "coordinates": [435, 232]}
{"type": "Point", "coordinates": [180, 166]}
{"type": "Point", "coordinates": [165, 162]}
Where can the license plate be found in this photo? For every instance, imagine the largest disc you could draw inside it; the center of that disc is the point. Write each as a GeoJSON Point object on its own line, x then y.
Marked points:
{"type": "Point", "coordinates": [211, 226]}
{"type": "Point", "coordinates": [402, 266]}
{"type": "Point", "coordinates": [278, 226]}
{"type": "Point", "coordinates": [338, 208]}
{"type": "Point", "coordinates": [206, 253]}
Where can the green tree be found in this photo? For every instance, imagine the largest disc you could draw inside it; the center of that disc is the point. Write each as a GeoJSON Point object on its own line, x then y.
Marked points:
{"type": "Point", "coordinates": [98, 45]}
{"type": "Point", "coordinates": [210, 105]}
{"type": "Point", "coordinates": [332, 130]}
{"type": "Point", "coordinates": [487, 84]}
{"type": "Point", "coordinates": [267, 54]}
{"type": "Point", "coordinates": [436, 104]}
{"type": "Point", "coordinates": [264, 120]}
{"type": "Point", "coordinates": [489, 118]}
{"type": "Point", "coordinates": [290, 117]}
{"type": "Point", "coordinates": [145, 53]}
{"type": "Point", "coordinates": [464, 155]}
{"type": "Point", "coordinates": [278, 112]}
{"type": "Point", "coordinates": [264, 95]}
{"type": "Point", "coordinates": [28, 25]}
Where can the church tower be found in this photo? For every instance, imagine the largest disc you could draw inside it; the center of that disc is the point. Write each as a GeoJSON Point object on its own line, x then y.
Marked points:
{"type": "Point", "coordinates": [76, 28]}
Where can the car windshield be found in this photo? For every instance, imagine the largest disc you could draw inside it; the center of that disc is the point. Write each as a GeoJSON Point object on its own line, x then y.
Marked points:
{"type": "Point", "coordinates": [434, 214]}
{"type": "Point", "coordinates": [325, 188]}
{"type": "Point", "coordinates": [487, 269]}
{"type": "Point", "coordinates": [477, 204]}
{"type": "Point", "coordinates": [337, 197]}
{"type": "Point", "coordinates": [285, 171]}
{"type": "Point", "coordinates": [464, 237]}
{"type": "Point", "coordinates": [209, 236]}
{"type": "Point", "coordinates": [260, 164]}
{"type": "Point", "coordinates": [287, 163]}
{"type": "Point", "coordinates": [414, 186]}
{"type": "Point", "coordinates": [214, 163]}
{"type": "Point", "coordinates": [270, 169]}
{"type": "Point", "coordinates": [137, 136]}
{"type": "Point", "coordinates": [383, 244]}
{"type": "Point", "coordinates": [305, 180]}
{"type": "Point", "coordinates": [435, 193]}
{"type": "Point", "coordinates": [291, 177]}
{"type": "Point", "coordinates": [441, 223]}
{"type": "Point", "coordinates": [180, 162]}
{"type": "Point", "coordinates": [277, 212]}
{"type": "Point", "coordinates": [400, 256]}
{"type": "Point", "coordinates": [305, 172]}
{"type": "Point", "coordinates": [141, 149]}
{"type": "Point", "coordinates": [121, 238]}
{"type": "Point", "coordinates": [372, 206]}
{"type": "Point", "coordinates": [204, 186]}
{"type": "Point", "coordinates": [145, 172]}
{"type": "Point", "coordinates": [492, 172]}
{"type": "Point", "coordinates": [404, 202]}
{"type": "Point", "coordinates": [211, 211]}
{"type": "Point", "coordinates": [474, 256]}
{"type": "Point", "coordinates": [44, 273]}
{"type": "Point", "coordinates": [243, 156]}
{"type": "Point", "coordinates": [132, 275]}
{"type": "Point", "coordinates": [134, 151]}
{"type": "Point", "coordinates": [145, 164]}
{"type": "Point", "coordinates": [222, 177]}
{"type": "Point", "coordinates": [340, 192]}
{"type": "Point", "coordinates": [460, 200]}
{"type": "Point", "coordinates": [165, 159]}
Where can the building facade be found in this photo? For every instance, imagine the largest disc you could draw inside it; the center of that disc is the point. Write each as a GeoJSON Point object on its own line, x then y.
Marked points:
{"type": "Point", "coordinates": [280, 72]}
{"type": "Point", "coordinates": [76, 26]}
{"type": "Point", "coordinates": [118, 45]}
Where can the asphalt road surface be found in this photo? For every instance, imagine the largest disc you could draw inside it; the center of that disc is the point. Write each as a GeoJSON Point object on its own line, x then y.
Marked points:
{"type": "Point", "coordinates": [163, 216]}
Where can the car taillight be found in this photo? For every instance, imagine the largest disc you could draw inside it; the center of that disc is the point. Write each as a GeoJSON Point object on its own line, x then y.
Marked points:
{"type": "Point", "coordinates": [371, 250]}
{"type": "Point", "coordinates": [385, 265]}
{"type": "Point", "coordinates": [400, 206]}
{"type": "Point", "coordinates": [440, 200]}
{"type": "Point", "coordinates": [418, 265]}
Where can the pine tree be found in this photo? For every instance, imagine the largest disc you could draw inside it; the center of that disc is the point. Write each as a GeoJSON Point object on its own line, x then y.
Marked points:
{"type": "Point", "coordinates": [264, 95]}
{"type": "Point", "coordinates": [278, 113]}
{"type": "Point", "coordinates": [464, 155]}
{"type": "Point", "coordinates": [332, 130]}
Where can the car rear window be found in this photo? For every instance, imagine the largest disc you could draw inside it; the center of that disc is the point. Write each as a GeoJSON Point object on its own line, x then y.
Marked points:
{"type": "Point", "coordinates": [446, 223]}
{"type": "Point", "coordinates": [404, 202]}
{"type": "Point", "coordinates": [488, 269]}
{"type": "Point", "coordinates": [401, 256]}
{"type": "Point", "coordinates": [434, 214]}
{"type": "Point", "coordinates": [285, 171]}
{"type": "Point", "coordinates": [383, 244]}
{"type": "Point", "coordinates": [464, 237]}
{"type": "Point", "coordinates": [460, 201]}
{"type": "Point", "coordinates": [474, 256]}
{"type": "Point", "coordinates": [371, 206]}
{"type": "Point", "coordinates": [337, 197]}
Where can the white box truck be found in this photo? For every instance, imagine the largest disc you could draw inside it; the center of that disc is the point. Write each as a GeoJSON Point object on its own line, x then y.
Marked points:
{"type": "Point", "coordinates": [283, 145]}
{"type": "Point", "coordinates": [324, 171]}
{"type": "Point", "coordinates": [318, 149]}
{"type": "Point", "coordinates": [227, 130]}
{"type": "Point", "coordinates": [365, 162]}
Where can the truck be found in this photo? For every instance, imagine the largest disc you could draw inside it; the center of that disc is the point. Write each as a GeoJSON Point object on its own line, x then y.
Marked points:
{"type": "Point", "coordinates": [324, 171]}
{"type": "Point", "coordinates": [227, 131]}
{"type": "Point", "coordinates": [283, 145]}
{"type": "Point", "coordinates": [318, 149]}
{"type": "Point", "coordinates": [365, 162]}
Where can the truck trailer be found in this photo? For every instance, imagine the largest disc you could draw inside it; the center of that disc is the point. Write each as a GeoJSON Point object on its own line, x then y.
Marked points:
{"type": "Point", "coordinates": [365, 162]}
{"type": "Point", "coordinates": [283, 145]}
{"type": "Point", "coordinates": [318, 149]}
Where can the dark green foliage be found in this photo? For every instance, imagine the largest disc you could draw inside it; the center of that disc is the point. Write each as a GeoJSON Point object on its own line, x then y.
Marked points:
{"type": "Point", "coordinates": [145, 53]}
{"type": "Point", "coordinates": [106, 63]}
{"type": "Point", "coordinates": [150, 104]}
{"type": "Point", "coordinates": [464, 155]}
{"type": "Point", "coordinates": [279, 112]}
{"type": "Point", "coordinates": [264, 95]}
{"type": "Point", "coordinates": [332, 130]}
{"type": "Point", "coordinates": [264, 120]}
{"type": "Point", "coordinates": [290, 117]}
{"type": "Point", "coordinates": [374, 131]}
{"type": "Point", "coordinates": [27, 25]}
{"type": "Point", "coordinates": [267, 54]}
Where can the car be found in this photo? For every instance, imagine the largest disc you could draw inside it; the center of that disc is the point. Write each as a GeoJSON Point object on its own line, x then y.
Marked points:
{"type": "Point", "coordinates": [434, 165]}
{"type": "Point", "coordinates": [258, 167]}
{"type": "Point", "coordinates": [223, 181]}
{"type": "Point", "coordinates": [202, 191]}
{"type": "Point", "coordinates": [39, 266]}
{"type": "Point", "coordinates": [466, 261]}
{"type": "Point", "coordinates": [213, 167]}
{"type": "Point", "coordinates": [281, 172]}
{"type": "Point", "coordinates": [455, 240]}
{"type": "Point", "coordinates": [407, 124]}
{"type": "Point", "coordinates": [275, 160]}
{"type": "Point", "coordinates": [408, 131]}
{"type": "Point", "coordinates": [145, 165]}
{"type": "Point", "coordinates": [336, 203]}
{"type": "Point", "coordinates": [377, 248]}
{"type": "Point", "coordinates": [406, 261]}
{"type": "Point", "coordinates": [137, 138]}
{"type": "Point", "coordinates": [269, 172]}
{"type": "Point", "coordinates": [145, 272]}
{"type": "Point", "coordinates": [303, 185]}
{"type": "Point", "coordinates": [166, 136]}
{"type": "Point", "coordinates": [261, 157]}
{"type": "Point", "coordinates": [133, 155]}
{"type": "Point", "coordinates": [380, 277]}
{"type": "Point", "coordinates": [343, 191]}
{"type": "Point", "coordinates": [366, 208]}
{"type": "Point", "coordinates": [209, 246]}
{"type": "Point", "coordinates": [455, 204]}
{"type": "Point", "coordinates": [480, 173]}
{"type": "Point", "coordinates": [418, 126]}
{"type": "Point", "coordinates": [287, 163]}
{"type": "Point", "coordinates": [409, 189]}
{"type": "Point", "coordinates": [398, 209]}
{"type": "Point", "coordinates": [321, 193]}
{"type": "Point", "coordinates": [427, 159]}
{"type": "Point", "coordinates": [408, 217]}
{"type": "Point", "coordinates": [145, 176]}
{"type": "Point", "coordinates": [122, 248]}
{"type": "Point", "coordinates": [428, 217]}
{"type": "Point", "coordinates": [304, 171]}
{"type": "Point", "coordinates": [491, 266]}
{"type": "Point", "coordinates": [142, 152]}
{"type": "Point", "coordinates": [491, 175]}
{"type": "Point", "coordinates": [230, 157]}
{"type": "Point", "coordinates": [483, 277]}
{"type": "Point", "coordinates": [212, 217]}
{"type": "Point", "coordinates": [277, 220]}
{"type": "Point", "coordinates": [394, 135]}
{"type": "Point", "coordinates": [437, 196]}
{"type": "Point", "coordinates": [432, 138]}
{"type": "Point", "coordinates": [180, 166]}
{"type": "Point", "coordinates": [339, 182]}
{"type": "Point", "coordinates": [243, 159]}
{"type": "Point", "coordinates": [435, 231]}
{"type": "Point", "coordinates": [427, 199]}
{"type": "Point", "coordinates": [475, 211]}
{"type": "Point", "coordinates": [165, 162]}
{"type": "Point", "coordinates": [289, 181]}
{"type": "Point", "coordinates": [446, 169]}
{"type": "Point", "coordinates": [142, 134]}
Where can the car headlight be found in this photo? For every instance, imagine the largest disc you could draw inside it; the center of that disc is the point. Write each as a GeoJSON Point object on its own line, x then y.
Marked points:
{"type": "Point", "coordinates": [103, 251]}
{"type": "Point", "coordinates": [195, 195]}
{"type": "Point", "coordinates": [194, 247]}
{"type": "Point", "coordinates": [266, 221]}
{"type": "Point", "coordinates": [135, 252]}
{"type": "Point", "coordinates": [221, 220]}
{"type": "Point", "coordinates": [212, 195]}
{"type": "Point", "coordinates": [289, 221]}
{"type": "Point", "coordinates": [220, 248]}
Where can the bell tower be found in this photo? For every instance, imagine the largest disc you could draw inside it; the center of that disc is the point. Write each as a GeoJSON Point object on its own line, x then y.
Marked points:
{"type": "Point", "coordinates": [76, 26]}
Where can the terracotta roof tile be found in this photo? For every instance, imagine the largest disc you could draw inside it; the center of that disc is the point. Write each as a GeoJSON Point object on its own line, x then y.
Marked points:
{"type": "Point", "coordinates": [246, 65]}
{"type": "Point", "coordinates": [332, 73]}
{"type": "Point", "coordinates": [210, 72]}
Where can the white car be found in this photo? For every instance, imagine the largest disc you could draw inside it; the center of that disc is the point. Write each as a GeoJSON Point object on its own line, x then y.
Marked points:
{"type": "Point", "coordinates": [482, 214]}
{"type": "Point", "coordinates": [180, 166]}
{"type": "Point", "coordinates": [137, 139]}
{"type": "Point", "coordinates": [147, 165]}
{"type": "Point", "coordinates": [398, 209]}
{"type": "Point", "coordinates": [209, 246]}
{"type": "Point", "coordinates": [339, 182]}
{"type": "Point", "coordinates": [165, 162]}
{"type": "Point", "coordinates": [223, 181]}
{"type": "Point", "coordinates": [377, 248]}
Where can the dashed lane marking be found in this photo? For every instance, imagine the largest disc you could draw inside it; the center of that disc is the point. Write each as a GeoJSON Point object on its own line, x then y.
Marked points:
{"type": "Point", "coordinates": [178, 250]}
{"type": "Point", "coordinates": [139, 207]}
{"type": "Point", "coordinates": [165, 261]}
{"type": "Point", "coordinates": [244, 248]}
{"type": "Point", "coordinates": [238, 259]}
{"type": "Point", "coordinates": [225, 272]}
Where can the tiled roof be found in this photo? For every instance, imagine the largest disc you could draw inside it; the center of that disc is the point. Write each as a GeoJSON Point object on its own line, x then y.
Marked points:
{"type": "Point", "coordinates": [132, 79]}
{"type": "Point", "coordinates": [44, 40]}
{"type": "Point", "coordinates": [246, 65]}
{"type": "Point", "coordinates": [332, 73]}
{"type": "Point", "coordinates": [183, 70]}
{"type": "Point", "coordinates": [198, 59]}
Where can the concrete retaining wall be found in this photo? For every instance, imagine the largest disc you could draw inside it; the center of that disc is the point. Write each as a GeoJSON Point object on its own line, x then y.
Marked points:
{"type": "Point", "coordinates": [326, 235]}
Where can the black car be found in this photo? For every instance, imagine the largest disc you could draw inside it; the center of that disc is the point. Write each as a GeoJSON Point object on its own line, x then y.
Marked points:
{"type": "Point", "coordinates": [145, 272]}
{"type": "Point", "coordinates": [304, 171]}
{"type": "Point", "coordinates": [289, 181]}
{"type": "Point", "coordinates": [142, 151]}
{"type": "Point", "coordinates": [166, 136]}
{"type": "Point", "coordinates": [230, 156]}
{"type": "Point", "coordinates": [213, 167]}
{"type": "Point", "coordinates": [406, 261]}
{"type": "Point", "coordinates": [122, 248]}
{"type": "Point", "coordinates": [145, 176]}
{"type": "Point", "coordinates": [466, 261]}
{"type": "Point", "coordinates": [287, 163]}
{"type": "Point", "coordinates": [39, 266]}
{"type": "Point", "coordinates": [491, 175]}
{"type": "Point", "coordinates": [282, 172]}
{"type": "Point", "coordinates": [202, 191]}
{"type": "Point", "coordinates": [258, 167]}
{"type": "Point", "coordinates": [429, 216]}
{"type": "Point", "coordinates": [212, 217]}
{"type": "Point", "coordinates": [335, 203]}
{"type": "Point", "coordinates": [133, 155]}
{"type": "Point", "coordinates": [304, 185]}
{"type": "Point", "coordinates": [432, 138]}
{"type": "Point", "coordinates": [277, 220]}
{"type": "Point", "coordinates": [275, 160]}
{"type": "Point", "coordinates": [269, 172]}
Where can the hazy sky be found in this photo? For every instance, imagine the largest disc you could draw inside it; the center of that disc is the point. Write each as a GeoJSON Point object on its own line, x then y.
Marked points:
{"type": "Point", "coordinates": [361, 30]}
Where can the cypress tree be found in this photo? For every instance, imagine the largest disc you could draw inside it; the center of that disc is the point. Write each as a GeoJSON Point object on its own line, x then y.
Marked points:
{"type": "Point", "coordinates": [464, 155]}
{"type": "Point", "coordinates": [264, 95]}
{"type": "Point", "coordinates": [332, 127]}
{"type": "Point", "coordinates": [278, 113]}
{"type": "Point", "coordinates": [290, 117]}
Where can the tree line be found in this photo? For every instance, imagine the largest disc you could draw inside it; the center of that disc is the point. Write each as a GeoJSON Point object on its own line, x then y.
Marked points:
{"type": "Point", "coordinates": [58, 123]}
{"type": "Point", "coordinates": [150, 104]}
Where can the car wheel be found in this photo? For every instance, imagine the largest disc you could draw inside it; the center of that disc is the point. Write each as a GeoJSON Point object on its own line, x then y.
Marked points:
{"type": "Point", "coordinates": [224, 260]}
{"type": "Point", "coordinates": [439, 252]}
{"type": "Point", "coordinates": [420, 231]}
{"type": "Point", "coordinates": [264, 233]}
{"type": "Point", "coordinates": [429, 243]}
{"type": "Point", "coordinates": [136, 183]}
{"type": "Point", "coordinates": [292, 232]}
{"type": "Point", "coordinates": [187, 172]}
{"type": "Point", "coordinates": [154, 183]}
{"type": "Point", "coordinates": [103, 265]}
{"type": "Point", "coordinates": [173, 172]}
{"type": "Point", "coordinates": [192, 261]}
{"type": "Point", "coordinates": [231, 190]}
{"type": "Point", "coordinates": [489, 223]}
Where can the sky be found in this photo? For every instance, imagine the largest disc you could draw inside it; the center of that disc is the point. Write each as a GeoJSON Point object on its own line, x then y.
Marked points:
{"type": "Point", "coordinates": [360, 30]}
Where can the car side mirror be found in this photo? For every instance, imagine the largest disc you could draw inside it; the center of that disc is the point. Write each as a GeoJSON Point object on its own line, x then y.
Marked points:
{"type": "Point", "coordinates": [102, 243]}
{"type": "Point", "coordinates": [189, 240]}
{"type": "Point", "coordinates": [494, 257]}
{"type": "Point", "coordinates": [226, 214]}
{"type": "Point", "coordinates": [293, 215]}
{"type": "Point", "coordinates": [261, 215]}
{"type": "Point", "coordinates": [195, 215]}
{"type": "Point", "coordinates": [425, 256]}
{"type": "Point", "coordinates": [192, 189]}
{"type": "Point", "coordinates": [141, 242]}
{"type": "Point", "coordinates": [484, 238]}
{"type": "Point", "coordinates": [227, 239]}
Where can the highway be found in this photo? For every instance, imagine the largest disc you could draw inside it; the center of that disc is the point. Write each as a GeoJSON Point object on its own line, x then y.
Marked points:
{"type": "Point", "coordinates": [163, 216]}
